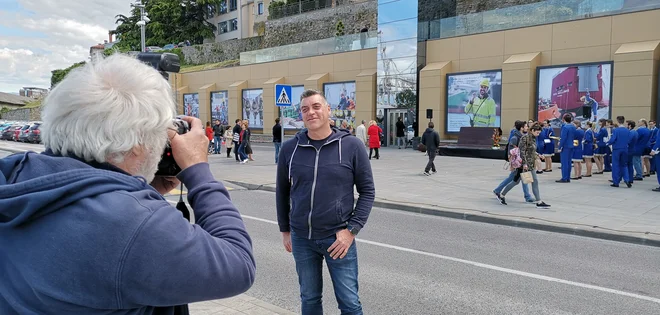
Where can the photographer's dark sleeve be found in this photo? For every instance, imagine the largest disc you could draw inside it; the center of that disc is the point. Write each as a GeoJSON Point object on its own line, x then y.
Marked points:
{"type": "Point", "coordinates": [172, 262]}
{"type": "Point", "coordinates": [283, 187]}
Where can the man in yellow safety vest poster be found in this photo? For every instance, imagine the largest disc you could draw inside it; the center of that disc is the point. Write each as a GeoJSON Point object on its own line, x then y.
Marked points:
{"type": "Point", "coordinates": [482, 108]}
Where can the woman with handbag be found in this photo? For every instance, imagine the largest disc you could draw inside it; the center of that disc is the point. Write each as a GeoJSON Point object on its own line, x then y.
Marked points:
{"type": "Point", "coordinates": [528, 154]}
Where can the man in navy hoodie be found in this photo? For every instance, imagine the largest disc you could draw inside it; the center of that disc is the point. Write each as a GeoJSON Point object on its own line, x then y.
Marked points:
{"type": "Point", "coordinates": [619, 141]}
{"type": "Point", "coordinates": [316, 211]}
{"type": "Point", "coordinates": [84, 228]}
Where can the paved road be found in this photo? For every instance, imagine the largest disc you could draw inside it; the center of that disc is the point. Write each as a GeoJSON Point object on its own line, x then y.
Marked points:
{"type": "Point", "coordinates": [417, 264]}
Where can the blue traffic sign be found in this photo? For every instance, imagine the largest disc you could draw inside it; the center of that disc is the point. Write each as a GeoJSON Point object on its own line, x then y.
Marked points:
{"type": "Point", "coordinates": [283, 95]}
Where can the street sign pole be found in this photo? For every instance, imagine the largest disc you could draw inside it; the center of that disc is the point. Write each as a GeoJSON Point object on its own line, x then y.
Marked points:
{"type": "Point", "coordinates": [282, 99]}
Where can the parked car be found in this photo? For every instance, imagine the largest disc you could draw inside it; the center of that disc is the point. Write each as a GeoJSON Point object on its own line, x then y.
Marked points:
{"type": "Point", "coordinates": [17, 132]}
{"type": "Point", "coordinates": [8, 133]}
{"type": "Point", "coordinates": [34, 134]}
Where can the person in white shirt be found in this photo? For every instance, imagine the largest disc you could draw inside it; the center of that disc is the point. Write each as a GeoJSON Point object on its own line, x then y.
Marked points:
{"type": "Point", "coordinates": [361, 133]}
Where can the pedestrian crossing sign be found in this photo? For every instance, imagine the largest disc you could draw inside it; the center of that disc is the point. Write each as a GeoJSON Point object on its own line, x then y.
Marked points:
{"type": "Point", "coordinates": [282, 95]}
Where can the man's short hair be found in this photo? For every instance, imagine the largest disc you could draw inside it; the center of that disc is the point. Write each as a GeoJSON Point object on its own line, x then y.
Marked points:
{"type": "Point", "coordinates": [519, 124]}
{"type": "Point", "coordinates": [237, 120]}
{"type": "Point", "coordinates": [277, 120]}
{"type": "Point", "coordinates": [103, 110]}
{"type": "Point", "coordinates": [310, 93]}
{"type": "Point", "coordinates": [535, 127]}
{"type": "Point", "coordinates": [364, 121]}
{"type": "Point", "coordinates": [631, 123]}
{"type": "Point", "coordinates": [431, 125]}
{"type": "Point", "coordinates": [620, 119]}
{"type": "Point", "coordinates": [568, 118]}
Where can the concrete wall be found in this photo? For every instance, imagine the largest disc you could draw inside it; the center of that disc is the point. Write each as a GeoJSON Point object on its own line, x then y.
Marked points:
{"type": "Point", "coordinates": [358, 66]}
{"type": "Point", "coordinates": [23, 114]}
{"type": "Point", "coordinates": [630, 40]}
{"type": "Point", "coordinates": [217, 52]}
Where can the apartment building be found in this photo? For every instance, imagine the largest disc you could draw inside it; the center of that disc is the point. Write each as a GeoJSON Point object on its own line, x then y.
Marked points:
{"type": "Point", "coordinates": [235, 18]}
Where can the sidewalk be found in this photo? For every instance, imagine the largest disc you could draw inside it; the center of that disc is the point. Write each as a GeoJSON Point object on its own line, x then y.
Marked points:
{"type": "Point", "coordinates": [463, 187]}
{"type": "Point", "coordinates": [241, 304]}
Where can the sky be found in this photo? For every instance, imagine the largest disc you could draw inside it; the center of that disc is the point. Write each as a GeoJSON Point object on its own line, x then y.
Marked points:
{"type": "Point", "coordinates": [38, 36]}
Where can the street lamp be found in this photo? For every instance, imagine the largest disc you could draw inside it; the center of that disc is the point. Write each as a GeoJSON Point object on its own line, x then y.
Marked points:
{"type": "Point", "coordinates": [142, 23]}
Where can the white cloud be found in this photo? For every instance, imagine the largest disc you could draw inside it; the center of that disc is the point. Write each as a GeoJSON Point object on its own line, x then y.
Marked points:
{"type": "Point", "coordinates": [51, 34]}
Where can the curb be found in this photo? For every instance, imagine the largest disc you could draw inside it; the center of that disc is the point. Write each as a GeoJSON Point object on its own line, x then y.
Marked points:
{"type": "Point", "coordinates": [494, 220]}
{"type": "Point", "coordinates": [11, 150]}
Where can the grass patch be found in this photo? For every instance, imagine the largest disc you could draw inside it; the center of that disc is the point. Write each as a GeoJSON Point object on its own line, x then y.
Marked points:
{"type": "Point", "coordinates": [33, 104]}
{"type": "Point", "coordinates": [210, 66]}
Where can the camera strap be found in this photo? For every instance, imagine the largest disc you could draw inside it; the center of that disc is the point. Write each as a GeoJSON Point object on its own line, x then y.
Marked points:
{"type": "Point", "coordinates": [181, 206]}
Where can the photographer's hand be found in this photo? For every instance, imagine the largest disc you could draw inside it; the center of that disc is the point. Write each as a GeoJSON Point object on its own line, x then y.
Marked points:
{"type": "Point", "coordinates": [164, 184]}
{"type": "Point", "coordinates": [190, 148]}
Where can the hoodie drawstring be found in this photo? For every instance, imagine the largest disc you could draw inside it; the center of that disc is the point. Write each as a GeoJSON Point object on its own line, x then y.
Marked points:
{"type": "Point", "coordinates": [292, 155]}
{"type": "Point", "coordinates": [340, 150]}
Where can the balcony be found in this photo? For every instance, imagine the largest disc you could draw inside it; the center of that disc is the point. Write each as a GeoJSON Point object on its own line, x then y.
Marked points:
{"type": "Point", "coordinates": [280, 9]}
{"type": "Point", "coordinates": [325, 46]}
{"type": "Point", "coordinates": [544, 12]}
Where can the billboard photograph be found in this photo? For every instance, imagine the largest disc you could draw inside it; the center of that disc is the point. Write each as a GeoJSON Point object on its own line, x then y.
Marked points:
{"type": "Point", "coordinates": [253, 107]}
{"type": "Point", "coordinates": [341, 97]}
{"type": "Point", "coordinates": [219, 107]}
{"type": "Point", "coordinates": [291, 115]}
{"type": "Point", "coordinates": [191, 105]}
{"type": "Point", "coordinates": [474, 99]}
{"type": "Point", "coordinates": [582, 90]}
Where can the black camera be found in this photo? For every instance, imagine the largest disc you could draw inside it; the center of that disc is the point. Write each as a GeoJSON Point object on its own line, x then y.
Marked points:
{"type": "Point", "coordinates": [167, 165]}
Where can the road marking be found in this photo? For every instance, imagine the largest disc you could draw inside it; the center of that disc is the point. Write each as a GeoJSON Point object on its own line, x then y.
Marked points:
{"type": "Point", "coordinates": [491, 267]}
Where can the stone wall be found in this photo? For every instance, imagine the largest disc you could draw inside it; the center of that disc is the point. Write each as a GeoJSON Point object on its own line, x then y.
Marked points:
{"type": "Point", "coordinates": [23, 114]}
{"type": "Point", "coordinates": [319, 24]}
{"type": "Point", "coordinates": [474, 6]}
{"type": "Point", "coordinates": [218, 52]}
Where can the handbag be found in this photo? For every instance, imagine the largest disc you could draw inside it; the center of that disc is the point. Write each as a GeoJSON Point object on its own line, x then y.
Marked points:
{"type": "Point", "coordinates": [527, 177]}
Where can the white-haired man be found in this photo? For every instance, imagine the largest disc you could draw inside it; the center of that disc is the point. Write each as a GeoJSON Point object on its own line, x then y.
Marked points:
{"type": "Point", "coordinates": [84, 227]}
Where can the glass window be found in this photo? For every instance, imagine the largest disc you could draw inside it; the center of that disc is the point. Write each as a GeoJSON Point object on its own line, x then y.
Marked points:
{"type": "Point", "coordinates": [260, 8]}
{"type": "Point", "coordinates": [222, 27]}
{"type": "Point", "coordinates": [398, 30]}
{"type": "Point", "coordinates": [398, 49]}
{"type": "Point", "coordinates": [232, 5]}
{"type": "Point", "coordinates": [396, 11]}
{"type": "Point", "coordinates": [397, 66]}
{"type": "Point", "coordinates": [233, 25]}
{"type": "Point", "coordinates": [222, 7]}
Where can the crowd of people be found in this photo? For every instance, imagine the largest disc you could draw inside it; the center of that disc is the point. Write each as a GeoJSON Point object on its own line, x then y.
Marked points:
{"type": "Point", "coordinates": [625, 148]}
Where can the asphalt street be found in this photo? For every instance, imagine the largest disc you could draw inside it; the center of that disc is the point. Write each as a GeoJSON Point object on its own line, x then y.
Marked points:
{"type": "Point", "coordinates": [417, 264]}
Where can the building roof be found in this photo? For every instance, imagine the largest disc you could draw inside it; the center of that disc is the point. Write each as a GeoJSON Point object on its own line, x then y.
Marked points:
{"type": "Point", "coordinates": [12, 99]}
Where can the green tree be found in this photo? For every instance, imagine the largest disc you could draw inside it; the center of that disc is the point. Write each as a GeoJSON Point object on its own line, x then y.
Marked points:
{"type": "Point", "coordinates": [3, 111]}
{"type": "Point", "coordinates": [59, 74]}
{"type": "Point", "coordinates": [406, 99]}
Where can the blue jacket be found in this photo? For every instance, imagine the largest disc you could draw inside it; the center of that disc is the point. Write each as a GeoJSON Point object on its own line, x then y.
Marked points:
{"type": "Point", "coordinates": [632, 141]}
{"type": "Point", "coordinates": [567, 136]}
{"type": "Point", "coordinates": [589, 138]}
{"type": "Point", "coordinates": [600, 137]}
{"type": "Point", "coordinates": [654, 136]}
{"type": "Point", "coordinates": [620, 138]}
{"type": "Point", "coordinates": [78, 238]}
{"type": "Point", "coordinates": [643, 140]}
{"type": "Point", "coordinates": [314, 190]}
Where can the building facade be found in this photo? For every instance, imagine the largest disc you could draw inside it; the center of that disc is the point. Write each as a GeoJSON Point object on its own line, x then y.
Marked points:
{"type": "Point", "coordinates": [521, 60]}
{"type": "Point", "coordinates": [235, 19]}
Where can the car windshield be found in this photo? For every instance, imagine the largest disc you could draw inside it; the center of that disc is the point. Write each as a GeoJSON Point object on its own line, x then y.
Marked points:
{"type": "Point", "coordinates": [34, 127]}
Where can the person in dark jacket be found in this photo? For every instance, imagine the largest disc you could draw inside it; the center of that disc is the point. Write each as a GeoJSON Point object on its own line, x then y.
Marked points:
{"type": "Point", "coordinates": [84, 226]}
{"type": "Point", "coordinates": [401, 133]}
{"type": "Point", "coordinates": [237, 138]}
{"type": "Point", "coordinates": [218, 133]}
{"type": "Point", "coordinates": [316, 211]}
{"type": "Point", "coordinates": [431, 140]}
{"type": "Point", "coordinates": [277, 138]}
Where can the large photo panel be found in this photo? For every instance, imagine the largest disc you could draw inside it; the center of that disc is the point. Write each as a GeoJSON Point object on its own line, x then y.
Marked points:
{"type": "Point", "coordinates": [191, 105]}
{"type": "Point", "coordinates": [253, 107]}
{"type": "Point", "coordinates": [220, 107]}
{"type": "Point", "coordinates": [474, 99]}
{"type": "Point", "coordinates": [583, 91]}
{"type": "Point", "coordinates": [292, 117]}
{"type": "Point", "coordinates": [341, 97]}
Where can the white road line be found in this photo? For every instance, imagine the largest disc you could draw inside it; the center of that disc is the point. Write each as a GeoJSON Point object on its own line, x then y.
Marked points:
{"type": "Point", "coordinates": [491, 267]}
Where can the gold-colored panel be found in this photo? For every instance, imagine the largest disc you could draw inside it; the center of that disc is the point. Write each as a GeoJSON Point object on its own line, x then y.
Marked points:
{"type": "Point", "coordinates": [516, 95]}
{"type": "Point", "coordinates": [321, 64]}
{"type": "Point", "coordinates": [633, 68]}
{"type": "Point", "coordinates": [443, 50]}
{"type": "Point", "coordinates": [432, 82]}
{"type": "Point", "coordinates": [368, 57]}
{"type": "Point", "coordinates": [636, 27]}
{"type": "Point", "coordinates": [518, 76]}
{"type": "Point", "coordinates": [582, 33]}
{"type": "Point", "coordinates": [344, 76]}
{"type": "Point", "coordinates": [486, 63]}
{"type": "Point", "coordinates": [632, 91]}
{"type": "Point", "coordinates": [347, 61]}
{"type": "Point", "coordinates": [580, 55]}
{"type": "Point", "coordinates": [299, 66]}
{"type": "Point", "coordinates": [632, 112]}
{"type": "Point", "coordinates": [528, 39]}
{"type": "Point", "coordinates": [260, 71]}
{"type": "Point", "coordinates": [279, 69]}
{"type": "Point", "coordinates": [242, 73]}
{"type": "Point", "coordinates": [482, 45]}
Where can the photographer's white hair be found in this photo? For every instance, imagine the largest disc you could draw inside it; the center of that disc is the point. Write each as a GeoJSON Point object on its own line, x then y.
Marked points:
{"type": "Point", "coordinates": [103, 110]}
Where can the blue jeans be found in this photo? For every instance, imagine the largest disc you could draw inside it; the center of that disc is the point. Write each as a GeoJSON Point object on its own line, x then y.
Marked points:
{"type": "Point", "coordinates": [241, 151]}
{"type": "Point", "coordinates": [620, 166]}
{"type": "Point", "coordinates": [508, 180]}
{"type": "Point", "coordinates": [309, 255]}
{"type": "Point", "coordinates": [218, 144]}
{"type": "Point", "coordinates": [278, 145]}
{"type": "Point", "coordinates": [637, 164]}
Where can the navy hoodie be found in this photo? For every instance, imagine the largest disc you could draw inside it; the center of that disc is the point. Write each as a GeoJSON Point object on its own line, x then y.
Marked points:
{"type": "Point", "coordinates": [315, 188]}
{"type": "Point", "coordinates": [78, 239]}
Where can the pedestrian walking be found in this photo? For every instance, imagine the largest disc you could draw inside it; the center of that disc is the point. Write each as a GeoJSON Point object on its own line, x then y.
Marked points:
{"type": "Point", "coordinates": [431, 140]}
{"type": "Point", "coordinates": [277, 138]}
{"type": "Point", "coordinates": [374, 133]}
{"type": "Point", "coordinates": [229, 140]}
{"type": "Point", "coordinates": [401, 133]}
{"type": "Point", "coordinates": [237, 130]}
{"type": "Point", "coordinates": [361, 133]}
{"type": "Point", "coordinates": [520, 127]}
{"type": "Point", "coordinates": [316, 210]}
{"type": "Point", "coordinates": [218, 131]}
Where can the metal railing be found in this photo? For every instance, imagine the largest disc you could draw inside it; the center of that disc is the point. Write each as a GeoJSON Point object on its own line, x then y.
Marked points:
{"type": "Point", "coordinates": [544, 12]}
{"type": "Point", "coordinates": [325, 46]}
{"type": "Point", "coordinates": [277, 10]}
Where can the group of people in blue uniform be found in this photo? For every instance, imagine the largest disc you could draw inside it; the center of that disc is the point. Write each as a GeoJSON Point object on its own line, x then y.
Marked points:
{"type": "Point", "coordinates": [628, 149]}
